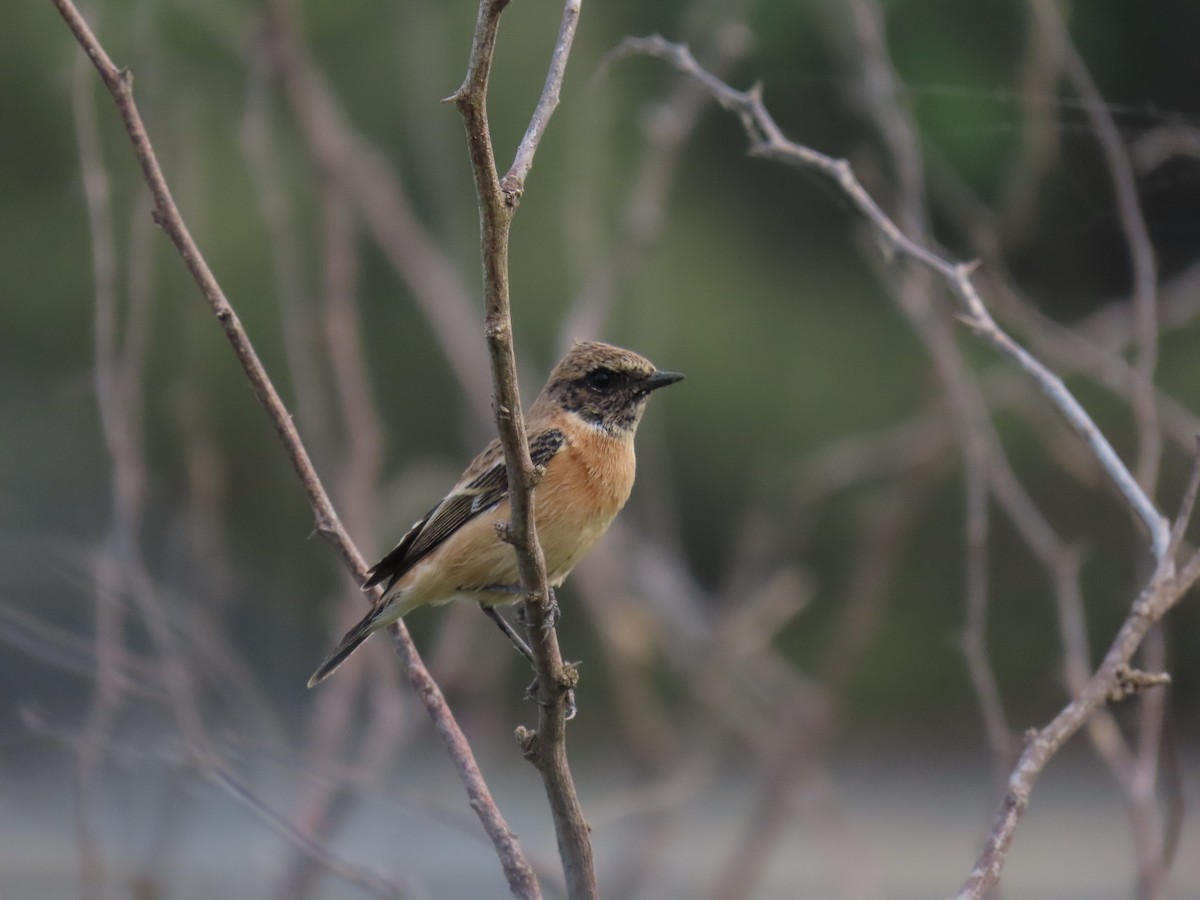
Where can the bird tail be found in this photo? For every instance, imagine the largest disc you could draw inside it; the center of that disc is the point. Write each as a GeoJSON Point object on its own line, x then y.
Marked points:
{"type": "Point", "coordinates": [348, 645]}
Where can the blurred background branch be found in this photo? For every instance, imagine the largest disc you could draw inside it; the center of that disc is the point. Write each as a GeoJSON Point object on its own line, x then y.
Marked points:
{"type": "Point", "coordinates": [863, 556]}
{"type": "Point", "coordinates": [176, 677]}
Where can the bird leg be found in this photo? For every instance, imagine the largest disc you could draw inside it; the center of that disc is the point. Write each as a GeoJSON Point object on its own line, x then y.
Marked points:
{"type": "Point", "coordinates": [531, 692]}
{"type": "Point", "coordinates": [553, 613]}
{"type": "Point", "coordinates": [517, 640]}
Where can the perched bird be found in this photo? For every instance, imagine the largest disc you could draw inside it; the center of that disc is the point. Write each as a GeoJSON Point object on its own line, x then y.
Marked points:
{"type": "Point", "coordinates": [580, 429]}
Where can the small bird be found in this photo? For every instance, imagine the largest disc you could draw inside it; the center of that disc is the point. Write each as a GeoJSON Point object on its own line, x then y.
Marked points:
{"type": "Point", "coordinates": [580, 429]}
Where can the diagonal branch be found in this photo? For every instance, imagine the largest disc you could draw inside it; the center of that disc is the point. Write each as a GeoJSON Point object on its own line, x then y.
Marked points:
{"type": "Point", "coordinates": [514, 182]}
{"type": "Point", "coordinates": [1161, 594]}
{"type": "Point", "coordinates": [768, 141]}
{"type": "Point", "coordinates": [498, 200]}
{"type": "Point", "coordinates": [119, 82]}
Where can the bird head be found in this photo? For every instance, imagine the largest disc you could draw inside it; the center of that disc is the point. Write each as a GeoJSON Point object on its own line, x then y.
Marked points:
{"type": "Point", "coordinates": [604, 385]}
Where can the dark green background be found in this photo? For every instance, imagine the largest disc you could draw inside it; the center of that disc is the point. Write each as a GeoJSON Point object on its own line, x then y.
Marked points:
{"type": "Point", "coordinates": [758, 290]}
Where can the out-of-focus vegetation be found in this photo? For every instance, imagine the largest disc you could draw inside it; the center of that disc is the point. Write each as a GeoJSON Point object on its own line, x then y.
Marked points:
{"type": "Point", "coordinates": [757, 284]}
{"type": "Point", "coordinates": [756, 288]}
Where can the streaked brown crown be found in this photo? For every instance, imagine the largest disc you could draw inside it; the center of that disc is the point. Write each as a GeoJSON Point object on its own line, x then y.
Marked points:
{"type": "Point", "coordinates": [604, 385]}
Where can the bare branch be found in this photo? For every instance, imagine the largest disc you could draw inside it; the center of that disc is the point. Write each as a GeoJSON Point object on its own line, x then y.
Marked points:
{"type": "Point", "coordinates": [118, 397]}
{"type": "Point", "coordinates": [1159, 145]}
{"type": "Point", "coordinates": [1137, 238]}
{"type": "Point", "coordinates": [974, 637]}
{"type": "Point", "coordinates": [267, 181]}
{"type": "Point", "coordinates": [120, 85]}
{"type": "Point", "coordinates": [1040, 72]}
{"type": "Point", "coordinates": [1147, 830]}
{"type": "Point", "coordinates": [513, 184]}
{"type": "Point", "coordinates": [666, 128]}
{"type": "Point", "coordinates": [1188, 505]}
{"type": "Point", "coordinates": [1156, 599]}
{"type": "Point", "coordinates": [387, 212]}
{"type": "Point", "coordinates": [372, 883]}
{"type": "Point", "coordinates": [886, 104]}
{"type": "Point", "coordinates": [497, 203]}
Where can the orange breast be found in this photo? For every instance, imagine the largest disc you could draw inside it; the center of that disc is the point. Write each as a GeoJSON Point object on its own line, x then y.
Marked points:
{"type": "Point", "coordinates": [585, 485]}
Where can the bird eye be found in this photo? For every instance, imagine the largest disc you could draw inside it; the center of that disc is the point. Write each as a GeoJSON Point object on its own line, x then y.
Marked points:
{"type": "Point", "coordinates": [601, 379]}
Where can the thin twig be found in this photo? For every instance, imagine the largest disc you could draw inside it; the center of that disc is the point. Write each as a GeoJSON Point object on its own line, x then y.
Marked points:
{"type": "Point", "coordinates": [1147, 829]}
{"type": "Point", "coordinates": [330, 733]}
{"type": "Point", "coordinates": [218, 773]}
{"type": "Point", "coordinates": [1159, 145]}
{"type": "Point", "coordinates": [497, 204]}
{"type": "Point", "coordinates": [513, 183]}
{"type": "Point", "coordinates": [1070, 349]}
{"type": "Point", "coordinates": [108, 689]}
{"type": "Point", "coordinates": [76, 654]}
{"type": "Point", "coordinates": [318, 807]}
{"type": "Point", "coordinates": [268, 182]}
{"type": "Point", "coordinates": [806, 731]}
{"type": "Point", "coordinates": [1158, 597]}
{"type": "Point", "coordinates": [886, 104]}
{"type": "Point", "coordinates": [344, 154]}
{"type": "Point", "coordinates": [120, 84]}
{"type": "Point", "coordinates": [1137, 238]}
{"type": "Point", "coordinates": [974, 637]}
{"type": "Point", "coordinates": [665, 130]}
{"type": "Point", "coordinates": [1188, 505]}
{"type": "Point", "coordinates": [1038, 150]}
{"type": "Point", "coordinates": [1111, 326]}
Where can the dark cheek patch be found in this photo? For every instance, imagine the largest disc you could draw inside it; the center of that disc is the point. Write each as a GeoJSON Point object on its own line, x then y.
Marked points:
{"type": "Point", "coordinates": [614, 411]}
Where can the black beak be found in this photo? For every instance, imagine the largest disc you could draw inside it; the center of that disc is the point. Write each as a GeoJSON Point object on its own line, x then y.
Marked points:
{"type": "Point", "coordinates": [659, 380]}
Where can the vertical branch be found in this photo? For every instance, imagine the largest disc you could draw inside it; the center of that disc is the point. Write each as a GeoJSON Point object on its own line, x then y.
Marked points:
{"type": "Point", "coordinates": [1137, 239]}
{"type": "Point", "coordinates": [517, 870]}
{"type": "Point", "coordinates": [107, 693]}
{"type": "Point", "coordinates": [386, 212]}
{"type": "Point", "coordinates": [807, 731]}
{"type": "Point", "coordinates": [1040, 73]}
{"type": "Point", "coordinates": [498, 200]}
{"type": "Point", "coordinates": [267, 179]}
{"type": "Point", "coordinates": [886, 106]}
{"type": "Point", "coordinates": [974, 637]}
{"type": "Point", "coordinates": [514, 180]}
{"type": "Point", "coordinates": [669, 123]}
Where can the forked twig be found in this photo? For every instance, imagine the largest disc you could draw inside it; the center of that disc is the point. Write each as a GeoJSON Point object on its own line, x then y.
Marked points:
{"type": "Point", "coordinates": [498, 199]}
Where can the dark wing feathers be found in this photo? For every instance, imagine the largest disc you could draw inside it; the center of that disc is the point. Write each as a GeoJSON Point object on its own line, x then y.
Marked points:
{"type": "Point", "coordinates": [543, 446]}
{"type": "Point", "coordinates": [393, 565]}
{"type": "Point", "coordinates": [461, 505]}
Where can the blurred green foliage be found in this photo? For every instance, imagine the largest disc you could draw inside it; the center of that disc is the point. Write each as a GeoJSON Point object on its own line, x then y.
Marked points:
{"type": "Point", "coordinates": [759, 289]}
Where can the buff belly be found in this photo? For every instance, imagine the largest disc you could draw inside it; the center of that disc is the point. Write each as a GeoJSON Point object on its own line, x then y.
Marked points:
{"type": "Point", "coordinates": [573, 506]}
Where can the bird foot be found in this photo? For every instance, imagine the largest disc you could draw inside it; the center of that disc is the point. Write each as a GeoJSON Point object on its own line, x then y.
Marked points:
{"type": "Point", "coordinates": [553, 614]}
{"type": "Point", "coordinates": [533, 693]}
